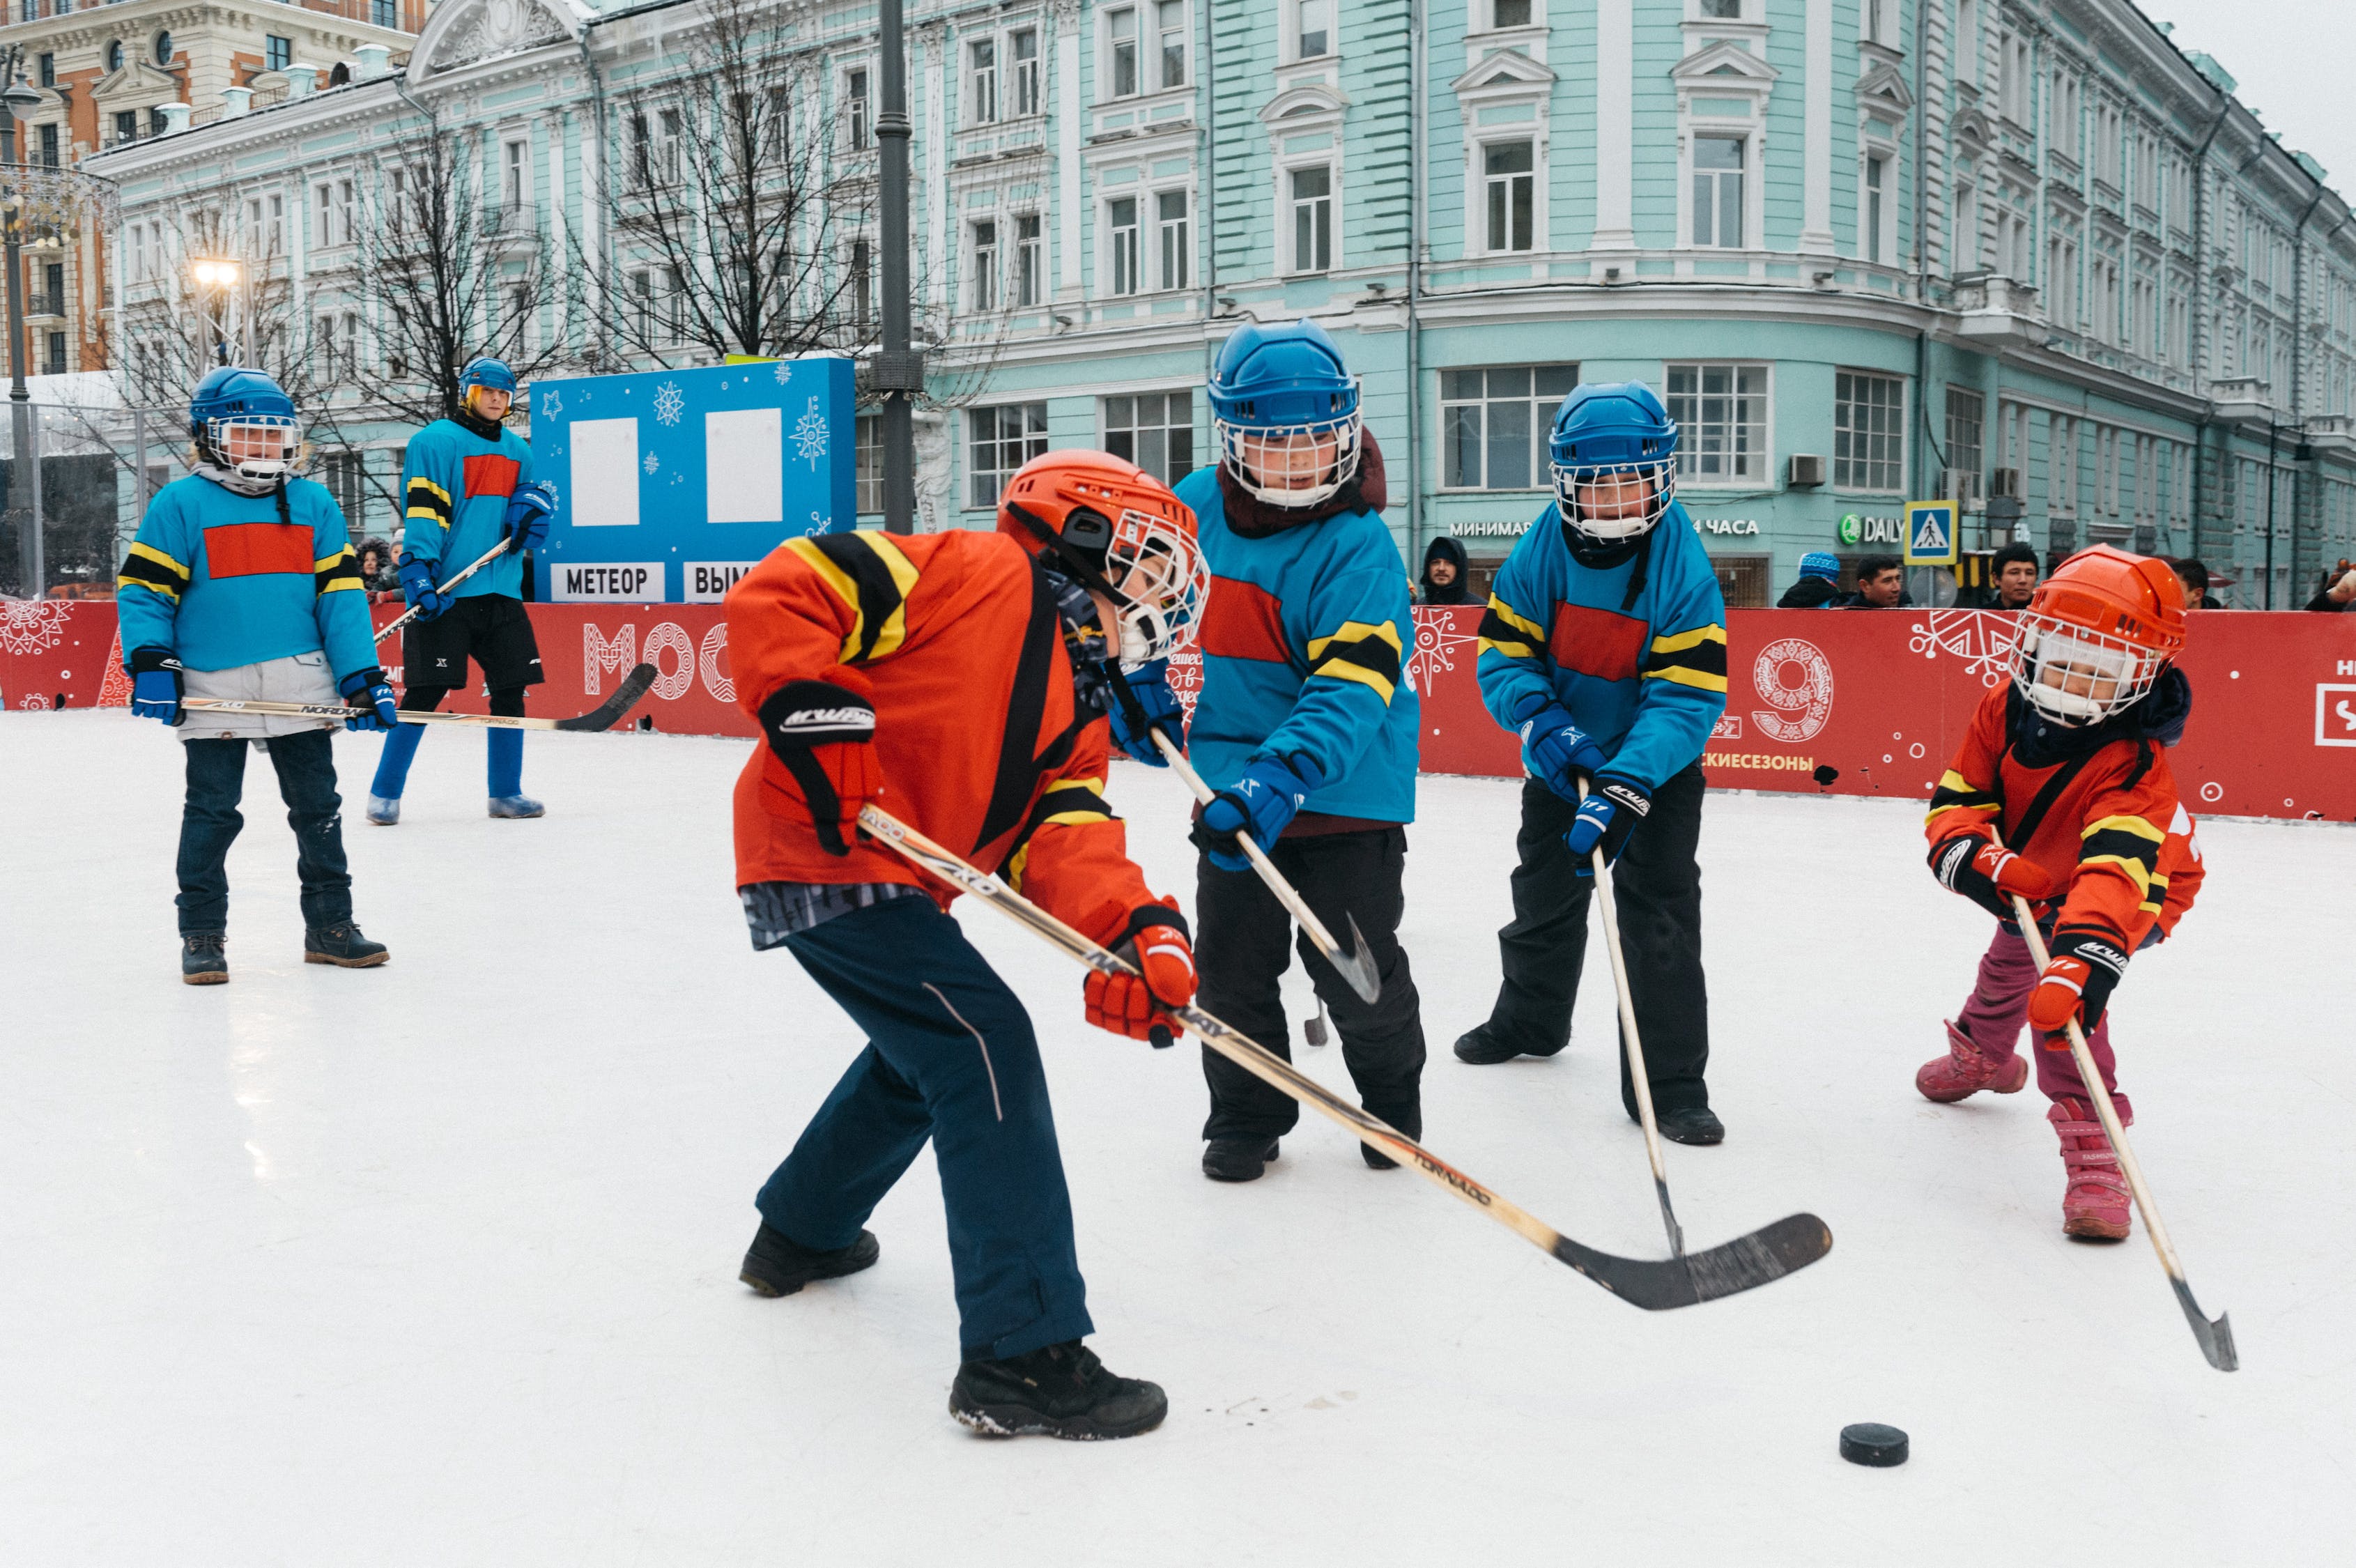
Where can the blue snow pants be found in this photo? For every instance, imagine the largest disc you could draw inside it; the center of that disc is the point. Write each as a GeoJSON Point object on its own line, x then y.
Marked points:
{"type": "Point", "coordinates": [950, 1057]}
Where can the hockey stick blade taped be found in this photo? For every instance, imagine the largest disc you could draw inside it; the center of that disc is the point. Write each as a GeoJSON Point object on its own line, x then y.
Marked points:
{"type": "Point", "coordinates": [608, 713]}
{"type": "Point", "coordinates": [1744, 1263]}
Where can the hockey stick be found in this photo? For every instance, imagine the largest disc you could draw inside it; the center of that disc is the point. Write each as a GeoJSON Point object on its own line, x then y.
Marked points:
{"type": "Point", "coordinates": [1744, 1263]}
{"type": "Point", "coordinates": [604, 717]}
{"type": "Point", "coordinates": [1629, 1045]}
{"type": "Point", "coordinates": [1358, 967]}
{"type": "Point", "coordinates": [2216, 1339]}
{"type": "Point", "coordinates": [405, 617]}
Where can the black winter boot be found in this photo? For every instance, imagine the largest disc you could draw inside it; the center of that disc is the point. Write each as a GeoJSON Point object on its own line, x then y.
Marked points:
{"type": "Point", "coordinates": [342, 945]}
{"type": "Point", "coordinates": [1060, 1391]}
{"type": "Point", "coordinates": [1408, 1119]}
{"type": "Point", "coordinates": [204, 959]}
{"type": "Point", "coordinates": [778, 1265]}
{"type": "Point", "coordinates": [1238, 1159]}
{"type": "Point", "coordinates": [1692, 1125]}
{"type": "Point", "coordinates": [1481, 1047]}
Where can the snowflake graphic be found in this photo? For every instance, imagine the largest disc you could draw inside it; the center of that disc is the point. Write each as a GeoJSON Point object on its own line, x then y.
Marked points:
{"type": "Point", "coordinates": [820, 525]}
{"type": "Point", "coordinates": [1436, 643]}
{"type": "Point", "coordinates": [1982, 639]}
{"type": "Point", "coordinates": [784, 371]}
{"type": "Point", "coordinates": [669, 404]}
{"type": "Point", "coordinates": [810, 435]}
{"type": "Point", "coordinates": [31, 625]}
{"type": "Point", "coordinates": [550, 404]}
{"type": "Point", "coordinates": [652, 463]}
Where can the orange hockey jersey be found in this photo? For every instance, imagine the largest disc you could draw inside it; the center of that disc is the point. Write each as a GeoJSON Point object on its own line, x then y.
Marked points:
{"type": "Point", "coordinates": [981, 740]}
{"type": "Point", "coordinates": [2107, 826]}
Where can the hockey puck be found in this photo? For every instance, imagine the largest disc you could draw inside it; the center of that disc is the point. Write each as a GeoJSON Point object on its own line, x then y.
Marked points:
{"type": "Point", "coordinates": [1871, 1443]}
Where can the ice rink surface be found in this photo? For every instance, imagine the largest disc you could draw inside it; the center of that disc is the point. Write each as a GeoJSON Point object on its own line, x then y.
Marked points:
{"type": "Point", "coordinates": [435, 1263]}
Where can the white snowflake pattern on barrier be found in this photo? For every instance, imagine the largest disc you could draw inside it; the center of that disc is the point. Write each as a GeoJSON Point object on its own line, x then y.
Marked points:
{"type": "Point", "coordinates": [31, 625]}
{"type": "Point", "coordinates": [669, 404]}
{"type": "Point", "coordinates": [652, 462]}
{"type": "Point", "coordinates": [1982, 639]}
{"type": "Point", "coordinates": [784, 371]}
{"type": "Point", "coordinates": [810, 435]}
{"type": "Point", "coordinates": [1436, 643]}
{"type": "Point", "coordinates": [550, 403]}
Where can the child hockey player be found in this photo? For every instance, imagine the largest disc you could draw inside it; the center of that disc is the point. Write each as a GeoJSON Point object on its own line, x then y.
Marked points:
{"type": "Point", "coordinates": [1305, 728]}
{"type": "Point", "coordinates": [1605, 646]}
{"type": "Point", "coordinates": [466, 483]}
{"type": "Point", "coordinates": [2069, 764]}
{"type": "Point", "coordinates": [242, 583]}
{"type": "Point", "coordinates": [956, 680]}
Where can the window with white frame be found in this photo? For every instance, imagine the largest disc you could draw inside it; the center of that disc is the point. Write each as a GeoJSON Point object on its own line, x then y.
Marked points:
{"type": "Point", "coordinates": [2107, 471]}
{"type": "Point", "coordinates": [997, 442]}
{"type": "Point", "coordinates": [1878, 208]}
{"type": "Point", "coordinates": [1153, 430]}
{"type": "Point", "coordinates": [1868, 432]}
{"type": "Point", "coordinates": [1312, 29]}
{"type": "Point", "coordinates": [858, 122]}
{"type": "Point", "coordinates": [1519, 13]}
{"type": "Point", "coordinates": [1308, 200]}
{"type": "Point", "coordinates": [1718, 176]}
{"type": "Point", "coordinates": [2062, 280]}
{"type": "Point", "coordinates": [515, 175]}
{"type": "Point", "coordinates": [1966, 415]}
{"type": "Point", "coordinates": [1170, 35]}
{"type": "Point", "coordinates": [2062, 467]}
{"type": "Point", "coordinates": [1030, 260]}
{"type": "Point", "coordinates": [1968, 42]}
{"type": "Point", "coordinates": [1880, 22]}
{"type": "Point", "coordinates": [1494, 423]}
{"type": "Point", "coordinates": [984, 293]}
{"type": "Point", "coordinates": [1121, 244]}
{"type": "Point", "coordinates": [1022, 46]}
{"type": "Point", "coordinates": [1722, 414]}
{"type": "Point", "coordinates": [1173, 238]}
{"type": "Point", "coordinates": [1964, 243]}
{"type": "Point", "coordinates": [1509, 190]}
{"type": "Point", "coordinates": [868, 464]}
{"type": "Point", "coordinates": [1122, 44]}
{"type": "Point", "coordinates": [981, 82]}
{"type": "Point", "coordinates": [861, 265]}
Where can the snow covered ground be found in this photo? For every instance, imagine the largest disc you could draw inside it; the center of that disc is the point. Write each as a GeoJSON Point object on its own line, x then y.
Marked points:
{"type": "Point", "coordinates": [435, 1263]}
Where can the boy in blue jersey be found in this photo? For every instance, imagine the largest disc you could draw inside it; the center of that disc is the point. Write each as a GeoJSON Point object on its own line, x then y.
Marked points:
{"type": "Point", "coordinates": [465, 484]}
{"type": "Point", "coordinates": [241, 584]}
{"type": "Point", "coordinates": [1604, 646]}
{"type": "Point", "coordinates": [1305, 727]}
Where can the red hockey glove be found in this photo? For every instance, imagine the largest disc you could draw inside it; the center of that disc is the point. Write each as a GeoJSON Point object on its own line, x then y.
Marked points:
{"type": "Point", "coordinates": [1988, 873]}
{"type": "Point", "coordinates": [1125, 1004]}
{"type": "Point", "coordinates": [2080, 973]}
{"type": "Point", "coordinates": [824, 733]}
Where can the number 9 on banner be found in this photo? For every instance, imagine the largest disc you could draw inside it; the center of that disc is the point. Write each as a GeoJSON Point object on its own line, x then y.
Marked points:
{"type": "Point", "coordinates": [1810, 698]}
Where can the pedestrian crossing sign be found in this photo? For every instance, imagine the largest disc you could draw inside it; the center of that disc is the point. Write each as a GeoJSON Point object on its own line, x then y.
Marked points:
{"type": "Point", "coordinates": [1931, 533]}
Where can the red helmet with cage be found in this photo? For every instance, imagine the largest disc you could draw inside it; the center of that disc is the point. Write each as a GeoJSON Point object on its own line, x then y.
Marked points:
{"type": "Point", "coordinates": [1118, 530]}
{"type": "Point", "coordinates": [2097, 634]}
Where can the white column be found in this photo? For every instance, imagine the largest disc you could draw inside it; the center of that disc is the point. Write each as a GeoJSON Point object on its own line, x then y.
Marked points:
{"type": "Point", "coordinates": [1069, 226]}
{"type": "Point", "coordinates": [1615, 131]}
{"type": "Point", "coordinates": [1817, 148]}
{"type": "Point", "coordinates": [552, 203]}
{"type": "Point", "coordinates": [934, 183]}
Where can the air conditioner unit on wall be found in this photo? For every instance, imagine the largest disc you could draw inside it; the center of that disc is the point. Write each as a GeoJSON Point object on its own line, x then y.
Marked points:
{"type": "Point", "coordinates": [2005, 482]}
{"type": "Point", "coordinates": [1807, 471]}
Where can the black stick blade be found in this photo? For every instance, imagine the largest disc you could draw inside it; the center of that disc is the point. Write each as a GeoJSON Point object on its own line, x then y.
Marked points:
{"type": "Point", "coordinates": [608, 713]}
{"type": "Point", "coordinates": [1744, 1263]}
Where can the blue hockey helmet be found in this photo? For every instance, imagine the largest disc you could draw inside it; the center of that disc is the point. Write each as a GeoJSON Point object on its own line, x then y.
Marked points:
{"type": "Point", "coordinates": [234, 398]}
{"type": "Point", "coordinates": [1613, 433]}
{"type": "Point", "coordinates": [1284, 413]}
{"type": "Point", "coordinates": [490, 374]}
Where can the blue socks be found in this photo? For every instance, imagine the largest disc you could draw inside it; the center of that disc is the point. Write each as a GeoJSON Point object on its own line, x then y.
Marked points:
{"type": "Point", "coordinates": [392, 767]}
{"type": "Point", "coordinates": [506, 763]}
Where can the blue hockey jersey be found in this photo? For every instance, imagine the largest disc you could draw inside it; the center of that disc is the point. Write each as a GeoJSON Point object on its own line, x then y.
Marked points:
{"type": "Point", "coordinates": [454, 486]}
{"type": "Point", "coordinates": [1644, 676]}
{"type": "Point", "coordinates": [1304, 638]}
{"type": "Point", "coordinates": [223, 580]}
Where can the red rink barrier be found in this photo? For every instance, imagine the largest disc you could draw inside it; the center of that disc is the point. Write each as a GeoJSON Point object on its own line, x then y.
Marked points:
{"type": "Point", "coordinates": [1839, 702]}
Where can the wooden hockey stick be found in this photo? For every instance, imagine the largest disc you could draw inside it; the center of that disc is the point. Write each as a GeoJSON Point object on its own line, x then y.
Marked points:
{"type": "Point", "coordinates": [1633, 1048]}
{"type": "Point", "coordinates": [604, 717]}
{"type": "Point", "coordinates": [405, 617]}
{"type": "Point", "coordinates": [1356, 967]}
{"type": "Point", "coordinates": [2216, 1339]}
{"type": "Point", "coordinates": [1744, 1263]}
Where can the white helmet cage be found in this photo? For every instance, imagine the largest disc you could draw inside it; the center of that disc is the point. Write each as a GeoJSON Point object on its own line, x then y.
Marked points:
{"type": "Point", "coordinates": [1569, 477]}
{"type": "Point", "coordinates": [1280, 447]}
{"type": "Point", "coordinates": [276, 429]}
{"type": "Point", "coordinates": [2074, 675]}
{"type": "Point", "coordinates": [1159, 578]}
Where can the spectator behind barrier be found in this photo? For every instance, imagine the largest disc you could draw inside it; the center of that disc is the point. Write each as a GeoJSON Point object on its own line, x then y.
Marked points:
{"type": "Point", "coordinates": [377, 570]}
{"type": "Point", "coordinates": [2338, 591]}
{"type": "Point", "coordinates": [2012, 575]}
{"type": "Point", "coordinates": [2195, 578]}
{"type": "Point", "coordinates": [1820, 583]}
{"type": "Point", "coordinates": [1443, 573]}
{"type": "Point", "coordinates": [1880, 585]}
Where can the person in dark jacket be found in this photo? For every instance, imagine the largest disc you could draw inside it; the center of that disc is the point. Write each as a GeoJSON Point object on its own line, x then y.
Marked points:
{"type": "Point", "coordinates": [2338, 593]}
{"type": "Point", "coordinates": [1819, 584]}
{"type": "Point", "coordinates": [2194, 575]}
{"type": "Point", "coordinates": [1443, 573]}
{"type": "Point", "coordinates": [377, 571]}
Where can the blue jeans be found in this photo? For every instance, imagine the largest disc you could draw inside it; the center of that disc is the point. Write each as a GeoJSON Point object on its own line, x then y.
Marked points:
{"type": "Point", "coordinates": [306, 782]}
{"type": "Point", "coordinates": [950, 1057]}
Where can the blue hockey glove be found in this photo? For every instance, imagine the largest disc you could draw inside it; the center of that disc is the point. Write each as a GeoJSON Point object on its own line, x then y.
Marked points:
{"type": "Point", "coordinates": [1558, 753]}
{"type": "Point", "coordinates": [155, 685]}
{"type": "Point", "coordinates": [371, 700]}
{"type": "Point", "coordinates": [529, 510]}
{"type": "Point", "coordinates": [1605, 820]}
{"type": "Point", "coordinates": [417, 587]}
{"type": "Point", "coordinates": [1259, 803]}
{"type": "Point", "coordinates": [1143, 704]}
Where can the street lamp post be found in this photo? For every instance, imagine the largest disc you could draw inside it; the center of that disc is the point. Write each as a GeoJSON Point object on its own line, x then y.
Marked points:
{"type": "Point", "coordinates": [14, 100]}
{"type": "Point", "coordinates": [897, 370]}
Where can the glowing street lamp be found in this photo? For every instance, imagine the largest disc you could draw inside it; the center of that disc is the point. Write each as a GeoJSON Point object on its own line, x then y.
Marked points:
{"type": "Point", "coordinates": [221, 276]}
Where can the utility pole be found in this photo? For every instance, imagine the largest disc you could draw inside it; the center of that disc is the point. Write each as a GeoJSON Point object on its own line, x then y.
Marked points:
{"type": "Point", "coordinates": [897, 370]}
{"type": "Point", "coordinates": [23, 481]}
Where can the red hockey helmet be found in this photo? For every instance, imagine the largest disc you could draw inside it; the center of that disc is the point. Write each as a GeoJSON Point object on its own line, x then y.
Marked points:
{"type": "Point", "coordinates": [2097, 634]}
{"type": "Point", "coordinates": [1119, 531]}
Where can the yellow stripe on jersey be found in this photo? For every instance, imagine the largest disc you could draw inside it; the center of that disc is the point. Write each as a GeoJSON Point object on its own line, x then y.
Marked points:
{"type": "Point", "coordinates": [1361, 652]}
{"type": "Point", "coordinates": [1957, 793]}
{"type": "Point", "coordinates": [337, 572]}
{"type": "Point", "coordinates": [1508, 632]}
{"type": "Point", "coordinates": [1695, 657]}
{"type": "Point", "coordinates": [148, 567]}
{"type": "Point", "coordinates": [873, 578]}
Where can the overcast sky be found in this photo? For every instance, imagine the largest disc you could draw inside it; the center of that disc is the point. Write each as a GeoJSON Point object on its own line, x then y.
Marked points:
{"type": "Point", "coordinates": [2294, 61]}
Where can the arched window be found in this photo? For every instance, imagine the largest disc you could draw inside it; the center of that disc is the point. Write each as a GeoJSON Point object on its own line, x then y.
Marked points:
{"type": "Point", "coordinates": [164, 48]}
{"type": "Point", "coordinates": [114, 55]}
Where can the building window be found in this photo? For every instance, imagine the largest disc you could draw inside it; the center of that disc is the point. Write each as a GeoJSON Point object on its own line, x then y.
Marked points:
{"type": "Point", "coordinates": [1880, 26]}
{"type": "Point", "coordinates": [1721, 10]}
{"type": "Point", "coordinates": [1509, 181]}
{"type": "Point", "coordinates": [1120, 232]}
{"type": "Point", "coordinates": [1173, 236]}
{"type": "Point", "coordinates": [49, 144]}
{"type": "Point", "coordinates": [855, 122]}
{"type": "Point", "coordinates": [1314, 36]}
{"type": "Point", "coordinates": [1170, 37]}
{"type": "Point", "coordinates": [863, 284]}
{"type": "Point", "coordinates": [114, 55]}
{"type": "Point", "coordinates": [1868, 431]}
{"type": "Point", "coordinates": [1718, 192]}
{"type": "Point", "coordinates": [277, 53]}
{"type": "Point", "coordinates": [985, 265]}
{"type": "Point", "coordinates": [1025, 46]}
{"type": "Point", "coordinates": [998, 441]}
{"type": "Point", "coordinates": [868, 429]}
{"type": "Point", "coordinates": [1121, 28]}
{"type": "Point", "coordinates": [1030, 261]}
{"type": "Point", "coordinates": [1311, 201]}
{"type": "Point", "coordinates": [126, 124]}
{"type": "Point", "coordinates": [1967, 410]}
{"type": "Point", "coordinates": [1516, 13]}
{"type": "Point", "coordinates": [48, 64]}
{"type": "Point", "coordinates": [981, 82]}
{"type": "Point", "coordinates": [156, 121]}
{"type": "Point", "coordinates": [384, 12]}
{"type": "Point", "coordinates": [345, 477]}
{"type": "Point", "coordinates": [1494, 424]}
{"type": "Point", "coordinates": [1722, 414]}
{"type": "Point", "coordinates": [163, 48]}
{"type": "Point", "coordinates": [1876, 206]}
{"type": "Point", "coordinates": [54, 362]}
{"type": "Point", "coordinates": [1153, 430]}
{"type": "Point", "coordinates": [515, 176]}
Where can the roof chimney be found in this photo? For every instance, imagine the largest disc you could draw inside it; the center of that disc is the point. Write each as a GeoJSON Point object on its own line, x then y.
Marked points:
{"type": "Point", "coordinates": [375, 58]}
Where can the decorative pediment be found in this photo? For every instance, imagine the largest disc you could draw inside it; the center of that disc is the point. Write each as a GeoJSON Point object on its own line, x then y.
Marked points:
{"type": "Point", "coordinates": [467, 32]}
{"type": "Point", "coordinates": [1973, 128]}
{"type": "Point", "coordinates": [1505, 73]}
{"type": "Point", "coordinates": [1311, 101]}
{"type": "Point", "coordinates": [138, 80]}
{"type": "Point", "coordinates": [1884, 86]}
{"type": "Point", "coordinates": [1724, 67]}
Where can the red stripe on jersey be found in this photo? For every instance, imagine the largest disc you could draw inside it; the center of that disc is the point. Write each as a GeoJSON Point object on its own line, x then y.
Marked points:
{"type": "Point", "coordinates": [491, 475]}
{"type": "Point", "coordinates": [257, 549]}
{"type": "Point", "coordinates": [1597, 642]}
{"type": "Point", "coordinates": [1243, 620]}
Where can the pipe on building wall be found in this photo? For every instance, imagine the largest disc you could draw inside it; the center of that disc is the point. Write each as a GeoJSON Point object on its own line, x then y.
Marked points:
{"type": "Point", "coordinates": [2201, 334]}
{"type": "Point", "coordinates": [1210, 224]}
{"type": "Point", "coordinates": [1922, 433]}
{"type": "Point", "coordinates": [1416, 68]}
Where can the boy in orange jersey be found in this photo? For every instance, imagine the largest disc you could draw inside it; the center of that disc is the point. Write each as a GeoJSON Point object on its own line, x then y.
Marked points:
{"type": "Point", "coordinates": [2069, 764]}
{"type": "Point", "coordinates": [959, 681]}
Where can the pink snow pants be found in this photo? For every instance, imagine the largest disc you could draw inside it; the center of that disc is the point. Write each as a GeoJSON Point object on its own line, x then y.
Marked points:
{"type": "Point", "coordinates": [1999, 1010]}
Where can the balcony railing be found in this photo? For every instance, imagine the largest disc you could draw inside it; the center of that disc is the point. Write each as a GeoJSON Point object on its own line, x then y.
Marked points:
{"type": "Point", "coordinates": [40, 304]}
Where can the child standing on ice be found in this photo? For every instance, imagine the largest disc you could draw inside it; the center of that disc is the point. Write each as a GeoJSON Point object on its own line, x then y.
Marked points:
{"type": "Point", "coordinates": [2069, 763]}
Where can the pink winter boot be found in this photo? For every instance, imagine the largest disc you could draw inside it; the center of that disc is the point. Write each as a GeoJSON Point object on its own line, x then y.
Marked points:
{"type": "Point", "coordinates": [2094, 1201]}
{"type": "Point", "coordinates": [1967, 1069]}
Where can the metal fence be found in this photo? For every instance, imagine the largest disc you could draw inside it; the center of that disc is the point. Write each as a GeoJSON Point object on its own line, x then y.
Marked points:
{"type": "Point", "coordinates": [74, 500]}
